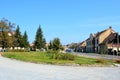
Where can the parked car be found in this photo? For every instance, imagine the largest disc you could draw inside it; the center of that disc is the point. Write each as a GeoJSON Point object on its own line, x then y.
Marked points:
{"type": "Point", "coordinates": [69, 50]}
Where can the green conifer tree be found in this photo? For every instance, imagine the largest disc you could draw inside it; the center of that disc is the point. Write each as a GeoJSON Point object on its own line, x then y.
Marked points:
{"type": "Point", "coordinates": [18, 38]}
{"type": "Point", "coordinates": [39, 39]}
{"type": "Point", "coordinates": [25, 40]}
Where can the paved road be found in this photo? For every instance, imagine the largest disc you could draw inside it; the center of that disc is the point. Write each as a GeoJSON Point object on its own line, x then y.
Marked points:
{"type": "Point", "coordinates": [17, 70]}
{"type": "Point", "coordinates": [94, 55]}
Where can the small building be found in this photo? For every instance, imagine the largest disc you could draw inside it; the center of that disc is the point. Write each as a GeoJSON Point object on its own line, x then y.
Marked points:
{"type": "Point", "coordinates": [81, 47]}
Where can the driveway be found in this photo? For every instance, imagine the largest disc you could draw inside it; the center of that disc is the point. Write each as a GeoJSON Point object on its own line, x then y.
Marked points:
{"type": "Point", "coordinates": [17, 70]}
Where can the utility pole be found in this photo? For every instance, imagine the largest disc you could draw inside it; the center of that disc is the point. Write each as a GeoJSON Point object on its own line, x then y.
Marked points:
{"type": "Point", "coordinates": [112, 48]}
{"type": "Point", "coordinates": [3, 40]}
{"type": "Point", "coordinates": [117, 44]}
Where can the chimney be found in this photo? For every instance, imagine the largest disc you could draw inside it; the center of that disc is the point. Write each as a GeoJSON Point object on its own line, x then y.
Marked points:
{"type": "Point", "coordinates": [110, 27]}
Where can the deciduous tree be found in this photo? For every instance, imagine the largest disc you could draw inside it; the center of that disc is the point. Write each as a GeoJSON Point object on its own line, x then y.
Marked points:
{"type": "Point", "coordinates": [56, 44]}
{"type": "Point", "coordinates": [6, 29]}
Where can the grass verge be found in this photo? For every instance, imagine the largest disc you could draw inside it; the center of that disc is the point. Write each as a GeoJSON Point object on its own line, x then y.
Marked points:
{"type": "Point", "coordinates": [57, 58]}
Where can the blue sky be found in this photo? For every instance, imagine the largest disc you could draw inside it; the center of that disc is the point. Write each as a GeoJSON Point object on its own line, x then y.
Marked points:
{"type": "Point", "coordinates": [70, 20]}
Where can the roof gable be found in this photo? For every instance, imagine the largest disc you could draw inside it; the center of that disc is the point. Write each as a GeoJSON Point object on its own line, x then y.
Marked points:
{"type": "Point", "coordinates": [100, 33]}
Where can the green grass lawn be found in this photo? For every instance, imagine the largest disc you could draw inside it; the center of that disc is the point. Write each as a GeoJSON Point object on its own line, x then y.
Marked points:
{"type": "Point", "coordinates": [47, 58]}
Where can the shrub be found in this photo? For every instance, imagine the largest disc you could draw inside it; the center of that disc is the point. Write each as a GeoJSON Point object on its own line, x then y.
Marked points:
{"type": "Point", "coordinates": [17, 50]}
{"type": "Point", "coordinates": [117, 61]}
{"type": "Point", "coordinates": [52, 51]}
{"type": "Point", "coordinates": [100, 61]}
{"type": "Point", "coordinates": [62, 56]}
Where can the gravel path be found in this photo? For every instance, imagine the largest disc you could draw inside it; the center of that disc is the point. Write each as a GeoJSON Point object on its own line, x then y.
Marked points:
{"type": "Point", "coordinates": [17, 70]}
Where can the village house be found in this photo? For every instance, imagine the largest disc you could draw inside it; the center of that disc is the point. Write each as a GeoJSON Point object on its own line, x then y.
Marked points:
{"type": "Point", "coordinates": [108, 36]}
{"type": "Point", "coordinates": [81, 47]}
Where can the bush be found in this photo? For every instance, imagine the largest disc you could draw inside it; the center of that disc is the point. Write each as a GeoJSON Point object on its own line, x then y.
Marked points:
{"type": "Point", "coordinates": [117, 61]}
{"type": "Point", "coordinates": [62, 56]}
{"type": "Point", "coordinates": [52, 51]}
{"type": "Point", "coordinates": [100, 61]}
{"type": "Point", "coordinates": [17, 50]}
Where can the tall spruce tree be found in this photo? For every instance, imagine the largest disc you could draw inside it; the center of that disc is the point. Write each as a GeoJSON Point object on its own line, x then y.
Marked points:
{"type": "Point", "coordinates": [18, 38]}
{"type": "Point", "coordinates": [50, 45]}
{"type": "Point", "coordinates": [44, 42]}
{"type": "Point", "coordinates": [25, 42]}
{"type": "Point", "coordinates": [39, 39]}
